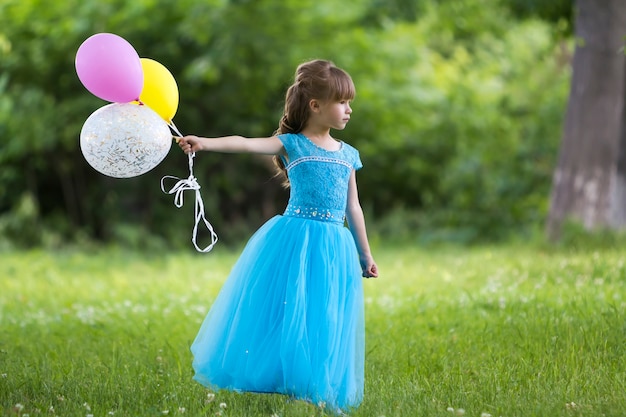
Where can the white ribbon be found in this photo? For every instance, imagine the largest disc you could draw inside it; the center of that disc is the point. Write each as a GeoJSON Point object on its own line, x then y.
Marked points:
{"type": "Point", "coordinates": [190, 183]}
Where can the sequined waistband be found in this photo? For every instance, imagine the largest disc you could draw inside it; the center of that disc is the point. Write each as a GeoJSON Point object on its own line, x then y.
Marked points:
{"type": "Point", "coordinates": [321, 214]}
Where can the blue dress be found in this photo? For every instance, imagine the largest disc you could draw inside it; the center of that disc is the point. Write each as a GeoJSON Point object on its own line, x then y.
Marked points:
{"type": "Point", "coordinates": [289, 318]}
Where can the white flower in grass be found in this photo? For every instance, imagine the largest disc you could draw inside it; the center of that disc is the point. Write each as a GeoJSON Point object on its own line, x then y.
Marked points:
{"type": "Point", "coordinates": [111, 412]}
{"type": "Point", "coordinates": [89, 415]}
{"type": "Point", "coordinates": [51, 409]}
{"type": "Point", "coordinates": [87, 406]}
{"type": "Point", "coordinates": [223, 406]}
{"type": "Point", "coordinates": [18, 407]}
{"type": "Point", "coordinates": [165, 412]}
{"type": "Point", "coordinates": [210, 397]}
{"type": "Point", "coordinates": [485, 415]}
{"type": "Point", "coordinates": [450, 410]}
{"type": "Point", "coordinates": [4, 375]}
{"type": "Point", "coordinates": [571, 406]}
{"type": "Point", "coordinates": [459, 412]}
{"type": "Point", "coordinates": [182, 410]}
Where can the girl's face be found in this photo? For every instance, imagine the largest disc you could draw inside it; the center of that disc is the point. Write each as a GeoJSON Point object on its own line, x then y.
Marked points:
{"type": "Point", "coordinates": [335, 114]}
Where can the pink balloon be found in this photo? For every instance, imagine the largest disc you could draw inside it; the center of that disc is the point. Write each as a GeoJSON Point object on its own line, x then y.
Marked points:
{"type": "Point", "coordinates": [110, 68]}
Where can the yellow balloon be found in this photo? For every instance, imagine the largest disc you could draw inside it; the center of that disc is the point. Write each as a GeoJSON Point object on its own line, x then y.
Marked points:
{"type": "Point", "coordinates": [160, 91]}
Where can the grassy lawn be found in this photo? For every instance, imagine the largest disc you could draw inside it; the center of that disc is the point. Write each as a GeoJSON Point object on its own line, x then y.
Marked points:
{"type": "Point", "coordinates": [500, 331]}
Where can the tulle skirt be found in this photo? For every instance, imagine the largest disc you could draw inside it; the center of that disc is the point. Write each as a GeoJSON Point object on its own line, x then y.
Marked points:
{"type": "Point", "coordinates": [289, 318]}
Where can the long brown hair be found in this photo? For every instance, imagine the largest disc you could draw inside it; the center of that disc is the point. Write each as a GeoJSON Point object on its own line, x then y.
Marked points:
{"type": "Point", "coordinates": [318, 79]}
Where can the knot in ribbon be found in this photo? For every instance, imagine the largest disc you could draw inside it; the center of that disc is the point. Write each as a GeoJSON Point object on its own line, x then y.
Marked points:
{"type": "Point", "coordinates": [191, 183]}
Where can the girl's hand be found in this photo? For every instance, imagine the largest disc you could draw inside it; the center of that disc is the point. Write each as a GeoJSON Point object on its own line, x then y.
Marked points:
{"type": "Point", "coordinates": [189, 144]}
{"type": "Point", "coordinates": [370, 269]}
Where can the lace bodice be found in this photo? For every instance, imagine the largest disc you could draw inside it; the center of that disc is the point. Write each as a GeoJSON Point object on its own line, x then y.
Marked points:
{"type": "Point", "coordinates": [319, 177]}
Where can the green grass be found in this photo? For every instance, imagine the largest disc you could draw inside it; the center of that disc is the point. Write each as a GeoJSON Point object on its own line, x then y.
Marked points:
{"type": "Point", "coordinates": [508, 331]}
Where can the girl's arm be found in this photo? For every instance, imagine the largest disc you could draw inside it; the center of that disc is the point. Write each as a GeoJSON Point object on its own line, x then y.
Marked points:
{"type": "Point", "coordinates": [356, 222]}
{"type": "Point", "coordinates": [231, 144]}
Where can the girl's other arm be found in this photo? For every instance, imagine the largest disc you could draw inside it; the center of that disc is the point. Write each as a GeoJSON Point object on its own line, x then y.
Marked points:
{"type": "Point", "coordinates": [231, 144]}
{"type": "Point", "coordinates": [356, 222]}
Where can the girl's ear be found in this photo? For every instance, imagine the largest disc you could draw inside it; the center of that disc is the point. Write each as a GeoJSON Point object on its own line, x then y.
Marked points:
{"type": "Point", "coordinates": [314, 105]}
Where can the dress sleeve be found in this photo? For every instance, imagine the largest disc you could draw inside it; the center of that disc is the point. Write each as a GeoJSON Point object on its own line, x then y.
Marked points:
{"type": "Point", "coordinates": [357, 164]}
{"type": "Point", "coordinates": [287, 140]}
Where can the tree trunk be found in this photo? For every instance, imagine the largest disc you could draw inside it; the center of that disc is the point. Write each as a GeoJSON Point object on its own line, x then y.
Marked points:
{"type": "Point", "coordinates": [618, 195]}
{"type": "Point", "coordinates": [589, 184]}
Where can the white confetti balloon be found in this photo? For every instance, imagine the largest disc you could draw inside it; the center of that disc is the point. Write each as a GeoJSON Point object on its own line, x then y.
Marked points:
{"type": "Point", "coordinates": [124, 140]}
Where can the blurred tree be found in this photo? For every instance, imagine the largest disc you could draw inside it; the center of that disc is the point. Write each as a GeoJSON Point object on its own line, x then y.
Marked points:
{"type": "Point", "coordinates": [589, 182]}
{"type": "Point", "coordinates": [458, 104]}
{"type": "Point", "coordinates": [558, 12]}
{"type": "Point", "coordinates": [458, 118]}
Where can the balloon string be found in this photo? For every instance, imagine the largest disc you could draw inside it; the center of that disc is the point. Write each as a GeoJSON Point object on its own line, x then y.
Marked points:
{"type": "Point", "coordinates": [179, 188]}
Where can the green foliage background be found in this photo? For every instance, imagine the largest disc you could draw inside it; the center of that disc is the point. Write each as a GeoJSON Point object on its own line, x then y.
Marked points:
{"type": "Point", "coordinates": [457, 116]}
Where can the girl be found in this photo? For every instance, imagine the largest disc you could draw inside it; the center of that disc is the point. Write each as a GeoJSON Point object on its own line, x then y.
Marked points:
{"type": "Point", "coordinates": [289, 318]}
